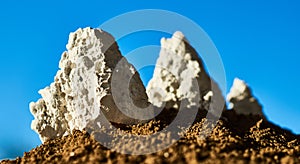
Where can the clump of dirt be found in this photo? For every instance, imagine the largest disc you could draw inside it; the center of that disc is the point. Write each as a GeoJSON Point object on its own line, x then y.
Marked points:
{"type": "Point", "coordinates": [234, 139]}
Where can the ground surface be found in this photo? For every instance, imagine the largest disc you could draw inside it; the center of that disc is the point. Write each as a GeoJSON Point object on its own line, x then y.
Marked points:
{"type": "Point", "coordinates": [234, 139]}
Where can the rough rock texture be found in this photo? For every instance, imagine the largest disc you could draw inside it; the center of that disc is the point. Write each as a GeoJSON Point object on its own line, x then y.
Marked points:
{"type": "Point", "coordinates": [179, 74]}
{"type": "Point", "coordinates": [82, 86]}
{"type": "Point", "coordinates": [242, 100]}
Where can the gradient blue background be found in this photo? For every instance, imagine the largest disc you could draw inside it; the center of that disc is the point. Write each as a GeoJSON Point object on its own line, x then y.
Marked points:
{"type": "Point", "coordinates": [257, 40]}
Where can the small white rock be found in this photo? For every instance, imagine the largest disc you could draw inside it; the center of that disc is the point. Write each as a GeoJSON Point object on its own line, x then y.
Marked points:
{"type": "Point", "coordinates": [208, 96]}
{"type": "Point", "coordinates": [72, 154]}
{"type": "Point", "coordinates": [242, 100]}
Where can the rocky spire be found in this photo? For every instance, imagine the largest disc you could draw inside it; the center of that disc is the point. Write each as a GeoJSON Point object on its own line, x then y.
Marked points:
{"type": "Point", "coordinates": [179, 74]}
{"type": "Point", "coordinates": [82, 88]}
{"type": "Point", "coordinates": [241, 99]}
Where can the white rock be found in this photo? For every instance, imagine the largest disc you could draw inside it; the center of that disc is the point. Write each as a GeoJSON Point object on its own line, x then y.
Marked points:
{"type": "Point", "coordinates": [179, 74]}
{"type": "Point", "coordinates": [82, 87]}
{"type": "Point", "coordinates": [242, 100]}
{"type": "Point", "coordinates": [208, 96]}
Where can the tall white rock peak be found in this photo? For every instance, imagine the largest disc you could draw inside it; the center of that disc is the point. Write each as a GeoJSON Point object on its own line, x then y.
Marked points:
{"type": "Point", "coordinates": [180, 75]}
{"type": "Point", "coordinates": [242, 100]}
{"type": "Point", "coordinates": [82, 89]}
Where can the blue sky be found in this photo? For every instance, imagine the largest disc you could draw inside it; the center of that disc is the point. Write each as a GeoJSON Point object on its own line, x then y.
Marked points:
{"type": "Point", "coordinates": [257, 40]}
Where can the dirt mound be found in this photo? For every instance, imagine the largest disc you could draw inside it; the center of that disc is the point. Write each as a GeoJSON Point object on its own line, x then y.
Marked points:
{"type": "Point", "coordinates": [234, 139]}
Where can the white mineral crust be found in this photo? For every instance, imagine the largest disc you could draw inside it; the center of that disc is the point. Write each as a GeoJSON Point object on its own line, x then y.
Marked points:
{"type": "Point", "coordinates": [242, 100]}
{"type": "Point", "coordinates": [179, 74]}
{"type": "Point", "coordinates": [82, 87]}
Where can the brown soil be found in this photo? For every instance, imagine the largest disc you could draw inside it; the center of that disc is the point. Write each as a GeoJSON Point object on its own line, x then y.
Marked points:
{"type": "Point", "coordinates": [235, 139]}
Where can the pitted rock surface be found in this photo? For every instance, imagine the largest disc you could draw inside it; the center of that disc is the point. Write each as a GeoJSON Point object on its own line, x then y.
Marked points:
{"type": "Point", "coordinates": [179, 74]}
{"type": "Point", "coordinates": [81, 94]}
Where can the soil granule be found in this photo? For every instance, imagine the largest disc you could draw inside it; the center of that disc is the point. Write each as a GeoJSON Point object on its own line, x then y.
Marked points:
{"type": "Point", "coordinates": [234, 139]}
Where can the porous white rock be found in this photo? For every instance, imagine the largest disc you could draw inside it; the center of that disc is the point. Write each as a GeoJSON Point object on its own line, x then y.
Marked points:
{"type": "Point", "coordinates": [82, 88]}
{"type": "Point", "coordinates": [179, 75]}
{"type": "Point", "coordinates": [242, 100]}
